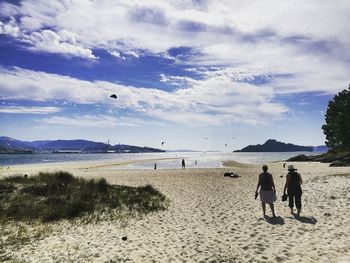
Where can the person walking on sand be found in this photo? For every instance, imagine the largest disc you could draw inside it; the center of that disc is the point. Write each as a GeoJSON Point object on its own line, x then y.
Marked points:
{"type": "Point", "coordinates": [293, 188]}
{"type": "Point", "coordinates": [183, 164]}
{"type": "Point", "coordinates": [267, 190]}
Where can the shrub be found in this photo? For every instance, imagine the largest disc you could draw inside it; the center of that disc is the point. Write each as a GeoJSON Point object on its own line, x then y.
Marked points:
{"type": "Point", "coordinates": [6, 188]}
{"type": "Point", "coordinates": [55, 196]}
{"type": "Point", "coordinates": [39, 190]}
{"type": "Point", "coordinates": [102, 185]}
{"type": "Point", "coordinates": [17, 179]}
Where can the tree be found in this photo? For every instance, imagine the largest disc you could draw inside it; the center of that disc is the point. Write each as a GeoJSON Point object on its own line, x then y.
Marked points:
{"type": "Point", "coordinates": [337, 127]}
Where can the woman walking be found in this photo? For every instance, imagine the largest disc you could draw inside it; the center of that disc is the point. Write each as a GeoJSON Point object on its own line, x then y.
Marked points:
{"type": "Point", "coordinates": [293, 188]}
{"type": "Point", "coordinates": [267, 190]}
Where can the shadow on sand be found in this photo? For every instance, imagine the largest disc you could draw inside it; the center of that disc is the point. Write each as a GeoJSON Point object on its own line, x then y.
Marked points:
{"type": "Point", "coordinates": [306, 220]}
{"type": "Point", "coordinates": [274, 220]}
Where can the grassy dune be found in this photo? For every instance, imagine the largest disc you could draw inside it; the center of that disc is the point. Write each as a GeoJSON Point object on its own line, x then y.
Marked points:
{"type": "Point", "coordinates": [54, 196]}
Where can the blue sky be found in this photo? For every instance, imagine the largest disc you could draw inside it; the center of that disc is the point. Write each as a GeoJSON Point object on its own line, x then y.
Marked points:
{"type": "Point", "coordinates": [236, 72]}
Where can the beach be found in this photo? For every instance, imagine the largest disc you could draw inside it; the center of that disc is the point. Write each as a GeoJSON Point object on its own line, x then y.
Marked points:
{"type": "Point", "coordinates": [210, 218]}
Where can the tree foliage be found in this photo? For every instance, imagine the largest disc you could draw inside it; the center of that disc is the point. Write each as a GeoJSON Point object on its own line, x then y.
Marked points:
{"type": "Point", "coordinates": [337, 127]}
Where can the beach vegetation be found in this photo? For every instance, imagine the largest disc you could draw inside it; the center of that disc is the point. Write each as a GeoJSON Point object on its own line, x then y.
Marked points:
{"type": "Point", "coordinates": [60, 195]}
{"type": "Point", "coordinates": [337, 119]}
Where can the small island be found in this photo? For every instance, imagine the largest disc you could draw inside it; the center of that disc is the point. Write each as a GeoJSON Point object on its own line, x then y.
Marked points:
{"type": "Point", "coordinates": [276, 146]}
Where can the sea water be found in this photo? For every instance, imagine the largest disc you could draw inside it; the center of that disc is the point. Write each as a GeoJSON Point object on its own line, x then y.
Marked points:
{"type": "Point", "coordinates": [147, 160]}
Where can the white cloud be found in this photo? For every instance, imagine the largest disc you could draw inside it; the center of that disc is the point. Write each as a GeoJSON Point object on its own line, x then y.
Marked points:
{"type": "Point", "coordinates": [9, 28]}
{"type": "Point", "coordinates": [296, 46]}
{"type": "Point", "coordinates": [39, 86]}
{"type": "Point", "coordinates": [133, 54]}
{"type": "Point", "coordinates": [99, 121]}
{"type": "Point", "coordinates": [116, 54]}
{"type": "Point", "coordinates": [50, 41]}
{"type": "Point", "coordinates": [213, 100]}
{"type": "Point", "coordinates": [156, 26]}
{"type": "Point", "coordinates": [304, 39]}
{"type": "Point", "coordinates": [63, 42]}
{"type": "Point", "coordinates": [28, 110]}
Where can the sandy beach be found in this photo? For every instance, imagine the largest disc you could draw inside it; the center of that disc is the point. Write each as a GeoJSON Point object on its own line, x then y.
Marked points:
{"type": "Point", "coordinates": [211, 218]}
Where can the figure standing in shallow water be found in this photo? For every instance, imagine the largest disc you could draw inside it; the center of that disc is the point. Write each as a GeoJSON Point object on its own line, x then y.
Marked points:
{"type": "Point", "coordinates": [183, 164]}
{"type": "Point", "coordinates": [267, 190]}
{"type": "Point", "coordinates": [293, 187]}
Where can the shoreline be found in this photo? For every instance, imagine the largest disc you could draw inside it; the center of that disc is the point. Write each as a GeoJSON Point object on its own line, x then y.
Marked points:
{"type": "Point", "coordinates": [204, 160]}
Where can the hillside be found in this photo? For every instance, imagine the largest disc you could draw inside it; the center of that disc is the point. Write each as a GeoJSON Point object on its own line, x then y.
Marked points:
{"type": "Point", "coordinates": [12, 146]}
{"type": "Point", "coordinates": [9, 145]}
{"type": "Point", "coordinates": [276, 146]}
{"type": "Point", "coordinates": [6, 150]}
{"type": "Point", "coordinates": [80, 145]}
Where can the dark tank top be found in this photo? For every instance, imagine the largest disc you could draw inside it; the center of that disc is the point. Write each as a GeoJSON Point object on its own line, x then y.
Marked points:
{"type": "Point", "coordinates": [294, 182]}
{"type": "Point", "coordinates": [265, 181]}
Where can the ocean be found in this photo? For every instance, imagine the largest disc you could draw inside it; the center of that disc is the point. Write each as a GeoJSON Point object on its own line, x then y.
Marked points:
{"type": "Point", "coordinates": [192, 159]}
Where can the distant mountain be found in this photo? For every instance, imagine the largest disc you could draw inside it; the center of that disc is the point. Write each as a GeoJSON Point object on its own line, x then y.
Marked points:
{"type": "Point", "coordinates": [78, 145]}
{"type": "Point", "coordinates": [13, 143]}
{"type": "Point", "coordinates": [37, 144]}
{"type": "Point", "coordinates": [276, 146]}
{"type": "Point", "coordinates": [10, 145]}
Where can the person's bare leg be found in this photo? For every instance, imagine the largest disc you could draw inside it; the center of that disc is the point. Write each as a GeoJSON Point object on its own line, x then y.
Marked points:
{"type": "Point", "coordinates": [272, 210]}
{"type": "Point", "coordinates": [263, 208]}
{"type": "Point", "coordinates": [298, 212]}
{"type": "Point", "coordinates": [291, 202]}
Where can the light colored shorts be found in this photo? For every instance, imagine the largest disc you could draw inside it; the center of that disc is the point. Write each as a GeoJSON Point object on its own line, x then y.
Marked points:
{"type": "Point", "coordinates": [268, 196]}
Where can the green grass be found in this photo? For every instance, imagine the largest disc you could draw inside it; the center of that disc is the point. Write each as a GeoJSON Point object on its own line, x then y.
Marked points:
{"type": "Point", "coordinates": [54, 196]}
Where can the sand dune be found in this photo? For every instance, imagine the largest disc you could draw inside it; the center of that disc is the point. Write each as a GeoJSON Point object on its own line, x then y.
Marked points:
{"type": "Point", "coordinates": [211, 218]}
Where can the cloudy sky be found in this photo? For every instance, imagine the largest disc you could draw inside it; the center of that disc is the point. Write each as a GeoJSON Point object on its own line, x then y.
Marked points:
{"type": "Point", "coordinates": [197, 74]}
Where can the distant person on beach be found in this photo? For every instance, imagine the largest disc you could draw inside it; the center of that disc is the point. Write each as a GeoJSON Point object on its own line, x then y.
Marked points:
{"type": "Point", "coordinates": [293, 188]}
{"type": "Point", "coordinates": [267, 190]}
{"type": "Point", "coordinates": [155, 166]}
{"type": "Point", "coordinates": [183, 164]}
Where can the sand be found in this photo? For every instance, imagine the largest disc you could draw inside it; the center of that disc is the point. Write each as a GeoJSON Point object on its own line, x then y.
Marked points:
{"type": "Point", "coordinates": [211, 218]}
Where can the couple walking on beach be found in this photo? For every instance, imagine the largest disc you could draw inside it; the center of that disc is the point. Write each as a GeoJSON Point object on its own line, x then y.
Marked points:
{"type": "Point", "coordinates": [268, 190]}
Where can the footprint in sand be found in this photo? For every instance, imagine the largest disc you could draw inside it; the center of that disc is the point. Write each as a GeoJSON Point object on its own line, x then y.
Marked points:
{"type": "Point", "coordinates": [245, 247]}
{"type": "Point", "coordinates": [279, 259]}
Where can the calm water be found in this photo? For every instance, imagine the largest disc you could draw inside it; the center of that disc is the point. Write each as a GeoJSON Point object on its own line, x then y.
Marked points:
{"type": "Point", "coordinates": [203, 160]}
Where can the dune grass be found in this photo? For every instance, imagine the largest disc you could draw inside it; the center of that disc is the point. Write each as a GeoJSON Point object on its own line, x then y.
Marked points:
{"type": "Point", "coordinates": [54, 196]}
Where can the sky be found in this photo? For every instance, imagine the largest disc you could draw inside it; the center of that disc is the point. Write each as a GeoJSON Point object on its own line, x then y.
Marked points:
{"type": "Point", "coordinates": [196, 74]}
